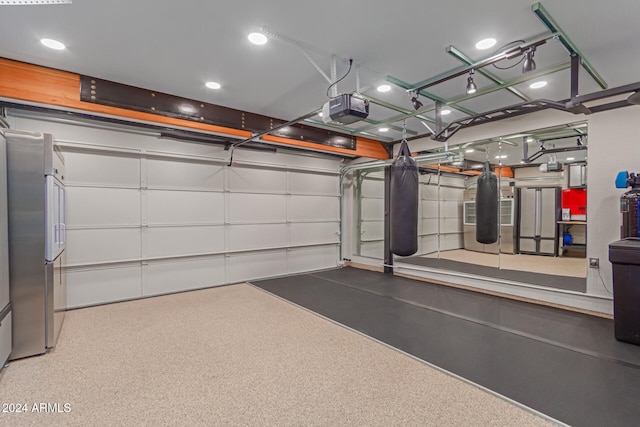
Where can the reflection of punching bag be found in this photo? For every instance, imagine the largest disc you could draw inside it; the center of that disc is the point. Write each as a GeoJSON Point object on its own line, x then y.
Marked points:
{"type": "Point", "coordinates": [487, 206]}
{"type": "Point", "coordinates": [404, 203]}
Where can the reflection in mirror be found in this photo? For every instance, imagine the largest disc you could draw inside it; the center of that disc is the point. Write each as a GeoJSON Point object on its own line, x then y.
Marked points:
{"type": "Point", "coordinates": [369, 213]}
{"type": "Point", "coordinates": [541, 182]}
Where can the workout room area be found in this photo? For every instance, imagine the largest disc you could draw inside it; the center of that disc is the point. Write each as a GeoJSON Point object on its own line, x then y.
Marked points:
{"type": "Point", "coordinates": [349, 213]}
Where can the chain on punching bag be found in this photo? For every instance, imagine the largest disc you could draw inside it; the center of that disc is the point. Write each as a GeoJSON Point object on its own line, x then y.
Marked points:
{"type": "Point", "coordinates": [487, 206]}
{"type": "Point", "coordinates": [404, 203]}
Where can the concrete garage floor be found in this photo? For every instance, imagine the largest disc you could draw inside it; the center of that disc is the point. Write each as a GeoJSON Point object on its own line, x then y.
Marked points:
{"type": "Point", "coordinates": [234, 355]}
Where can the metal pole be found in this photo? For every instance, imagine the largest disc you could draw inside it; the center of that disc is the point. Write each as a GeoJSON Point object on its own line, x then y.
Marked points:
{"type": "Point", "coordinates": [388, 255]}
{"type": "Point", "coordinates": [266, 132]}
{"type": "Point", "coordinates": [575, 71]}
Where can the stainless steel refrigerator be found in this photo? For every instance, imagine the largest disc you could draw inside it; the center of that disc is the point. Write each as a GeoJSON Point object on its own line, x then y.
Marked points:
{"type": "Point", "coordinates": [36, 203]}
{"type": "Point", "coordinates": [5, 305]}
{"type": "Point", "coordinates": [539, 211]}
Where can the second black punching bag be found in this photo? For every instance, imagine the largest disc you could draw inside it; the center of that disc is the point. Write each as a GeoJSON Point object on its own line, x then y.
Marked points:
{"type": "Point", "coordinates": [404, 203]}
{"type": "Point", "coordinates": [487, 207]}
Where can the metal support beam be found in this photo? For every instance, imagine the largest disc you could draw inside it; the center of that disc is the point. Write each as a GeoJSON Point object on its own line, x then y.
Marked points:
{"type": "Point", "coordinates": [451, 103]}
{"type": "Point", "coordinates": [521, 79]}
{"type": "Point", "coordinates": [499, 114]}
{"type": "Point", "coordinates": [610, 92]}
{"type": "Point", "coordinates": [438, 117]}
{"type": "Point", "coordinates": [429, 95]}
{"type": "Point", "coordinates": [456, 53]}
{"type": "Point", "coordinates": [395, 108]}
{"type": "Point", "coordinates": [388, 255]}
{"type": "Point", "coordinates": [553, 26]}
{"type": "Point", "coordinates": [575, 74]}
{"type": "Point", "coordinates": [510, 53]}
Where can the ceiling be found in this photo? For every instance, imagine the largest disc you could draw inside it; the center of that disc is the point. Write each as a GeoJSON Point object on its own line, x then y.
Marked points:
{"type": "Point", "coordinates": [175, 47]}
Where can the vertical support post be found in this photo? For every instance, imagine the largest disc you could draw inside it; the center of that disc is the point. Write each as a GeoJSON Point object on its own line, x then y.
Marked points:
{"type": "Point", "coordinates": [388, 255]}
{"type": "Point", "coordinates": [575, 71]}
{"type": "Point", "coordinates": [438, 117]}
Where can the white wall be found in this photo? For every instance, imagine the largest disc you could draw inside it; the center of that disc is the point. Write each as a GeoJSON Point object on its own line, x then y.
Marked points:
{"type": "Point", "coordinates": [614, 145]}
{"type": "Point", "coordinates": [148, 216]}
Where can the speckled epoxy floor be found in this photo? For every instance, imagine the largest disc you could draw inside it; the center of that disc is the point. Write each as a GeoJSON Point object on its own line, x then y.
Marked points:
{"type": "Point", "coordinates": [234, 355]}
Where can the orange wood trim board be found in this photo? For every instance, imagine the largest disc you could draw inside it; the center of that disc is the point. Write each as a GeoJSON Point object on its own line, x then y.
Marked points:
{"type": "Point", "coordinates": [32, 83]}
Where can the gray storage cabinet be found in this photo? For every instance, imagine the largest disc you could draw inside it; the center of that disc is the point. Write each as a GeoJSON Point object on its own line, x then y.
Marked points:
{"type": "Point", "coordinates": [625, 257]}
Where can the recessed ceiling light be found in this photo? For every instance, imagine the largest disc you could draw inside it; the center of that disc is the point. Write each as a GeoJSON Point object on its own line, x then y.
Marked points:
{"type": "Point", "coordinates": [213, 85]}
{"type": "Point", "coordinates": [384, 129]}
{"type": "Point", "coordinates": [469, 150]}
{"type": "Point", "coordinates": [538, 85]}
{"type": "Point", "coordinates": [257, 38]}
{"type": "Point", "coordinates": [485, 43]}
{"type": "Point", "coordinates": [529, 139]}
{"type": "Point", "coordinates": [445, 112]}
{"type": "Point", "coordinates": [384, 88]}
{"type": "Point", "coordinates": [504, 156]}
{"type": "Point", "coordinates": [570, 158]}
{"type": "Point", "coordinates": [52, 44]}
{"type": "Point", "coordinates": [320, 114]}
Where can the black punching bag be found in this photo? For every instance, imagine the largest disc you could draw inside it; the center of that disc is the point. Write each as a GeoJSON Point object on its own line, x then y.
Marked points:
{"type": "Point", "coordinates": [487, 206]}
{"type": "Point", "coordinates": [404, 203]}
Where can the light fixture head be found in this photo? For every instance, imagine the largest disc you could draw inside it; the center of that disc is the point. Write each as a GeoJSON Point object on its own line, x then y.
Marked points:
{"type": "Point", "coordinates": [529, 64]}
{"type": "Point", "coordinates": [485, 43]}
{"type": "Point", "coordinates": [415, 101]}
{"type": "Point", "coordinates": [213, 85]}
{"type": "Point", "coordinates": [383, 129]}
{"type": "Point", "coordinates": [384, 88]}
{"type": "Point", "coordinates": [445, 112]}
{"type": "Point", "coordinates": [52, 44]}
{"type": "Point", "coordinates": [257, 38]}
{"type": "Point", "coordinates": [469, 150]}
{"type": "Point", "coordinates": [471, 85]}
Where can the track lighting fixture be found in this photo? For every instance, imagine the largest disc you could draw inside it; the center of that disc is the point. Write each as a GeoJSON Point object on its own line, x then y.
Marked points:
{"type": "Point", "coordinates": [529, 64]}
{"type": "Point", "coordinates": [471, 86]}
{"type": "Point", "coordinates": [414, 100]}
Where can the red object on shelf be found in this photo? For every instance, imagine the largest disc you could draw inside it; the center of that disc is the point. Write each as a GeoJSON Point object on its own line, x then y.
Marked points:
{"type": "Point", "coordinates": [575, 199]}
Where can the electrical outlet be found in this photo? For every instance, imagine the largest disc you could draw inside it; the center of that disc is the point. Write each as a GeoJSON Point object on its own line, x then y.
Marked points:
{"type": "Point", "coordinates": [594, 262]}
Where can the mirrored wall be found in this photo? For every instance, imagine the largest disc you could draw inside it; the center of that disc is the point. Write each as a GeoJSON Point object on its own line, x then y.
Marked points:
{"type": "Point", "coordinates": [541, 176]}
